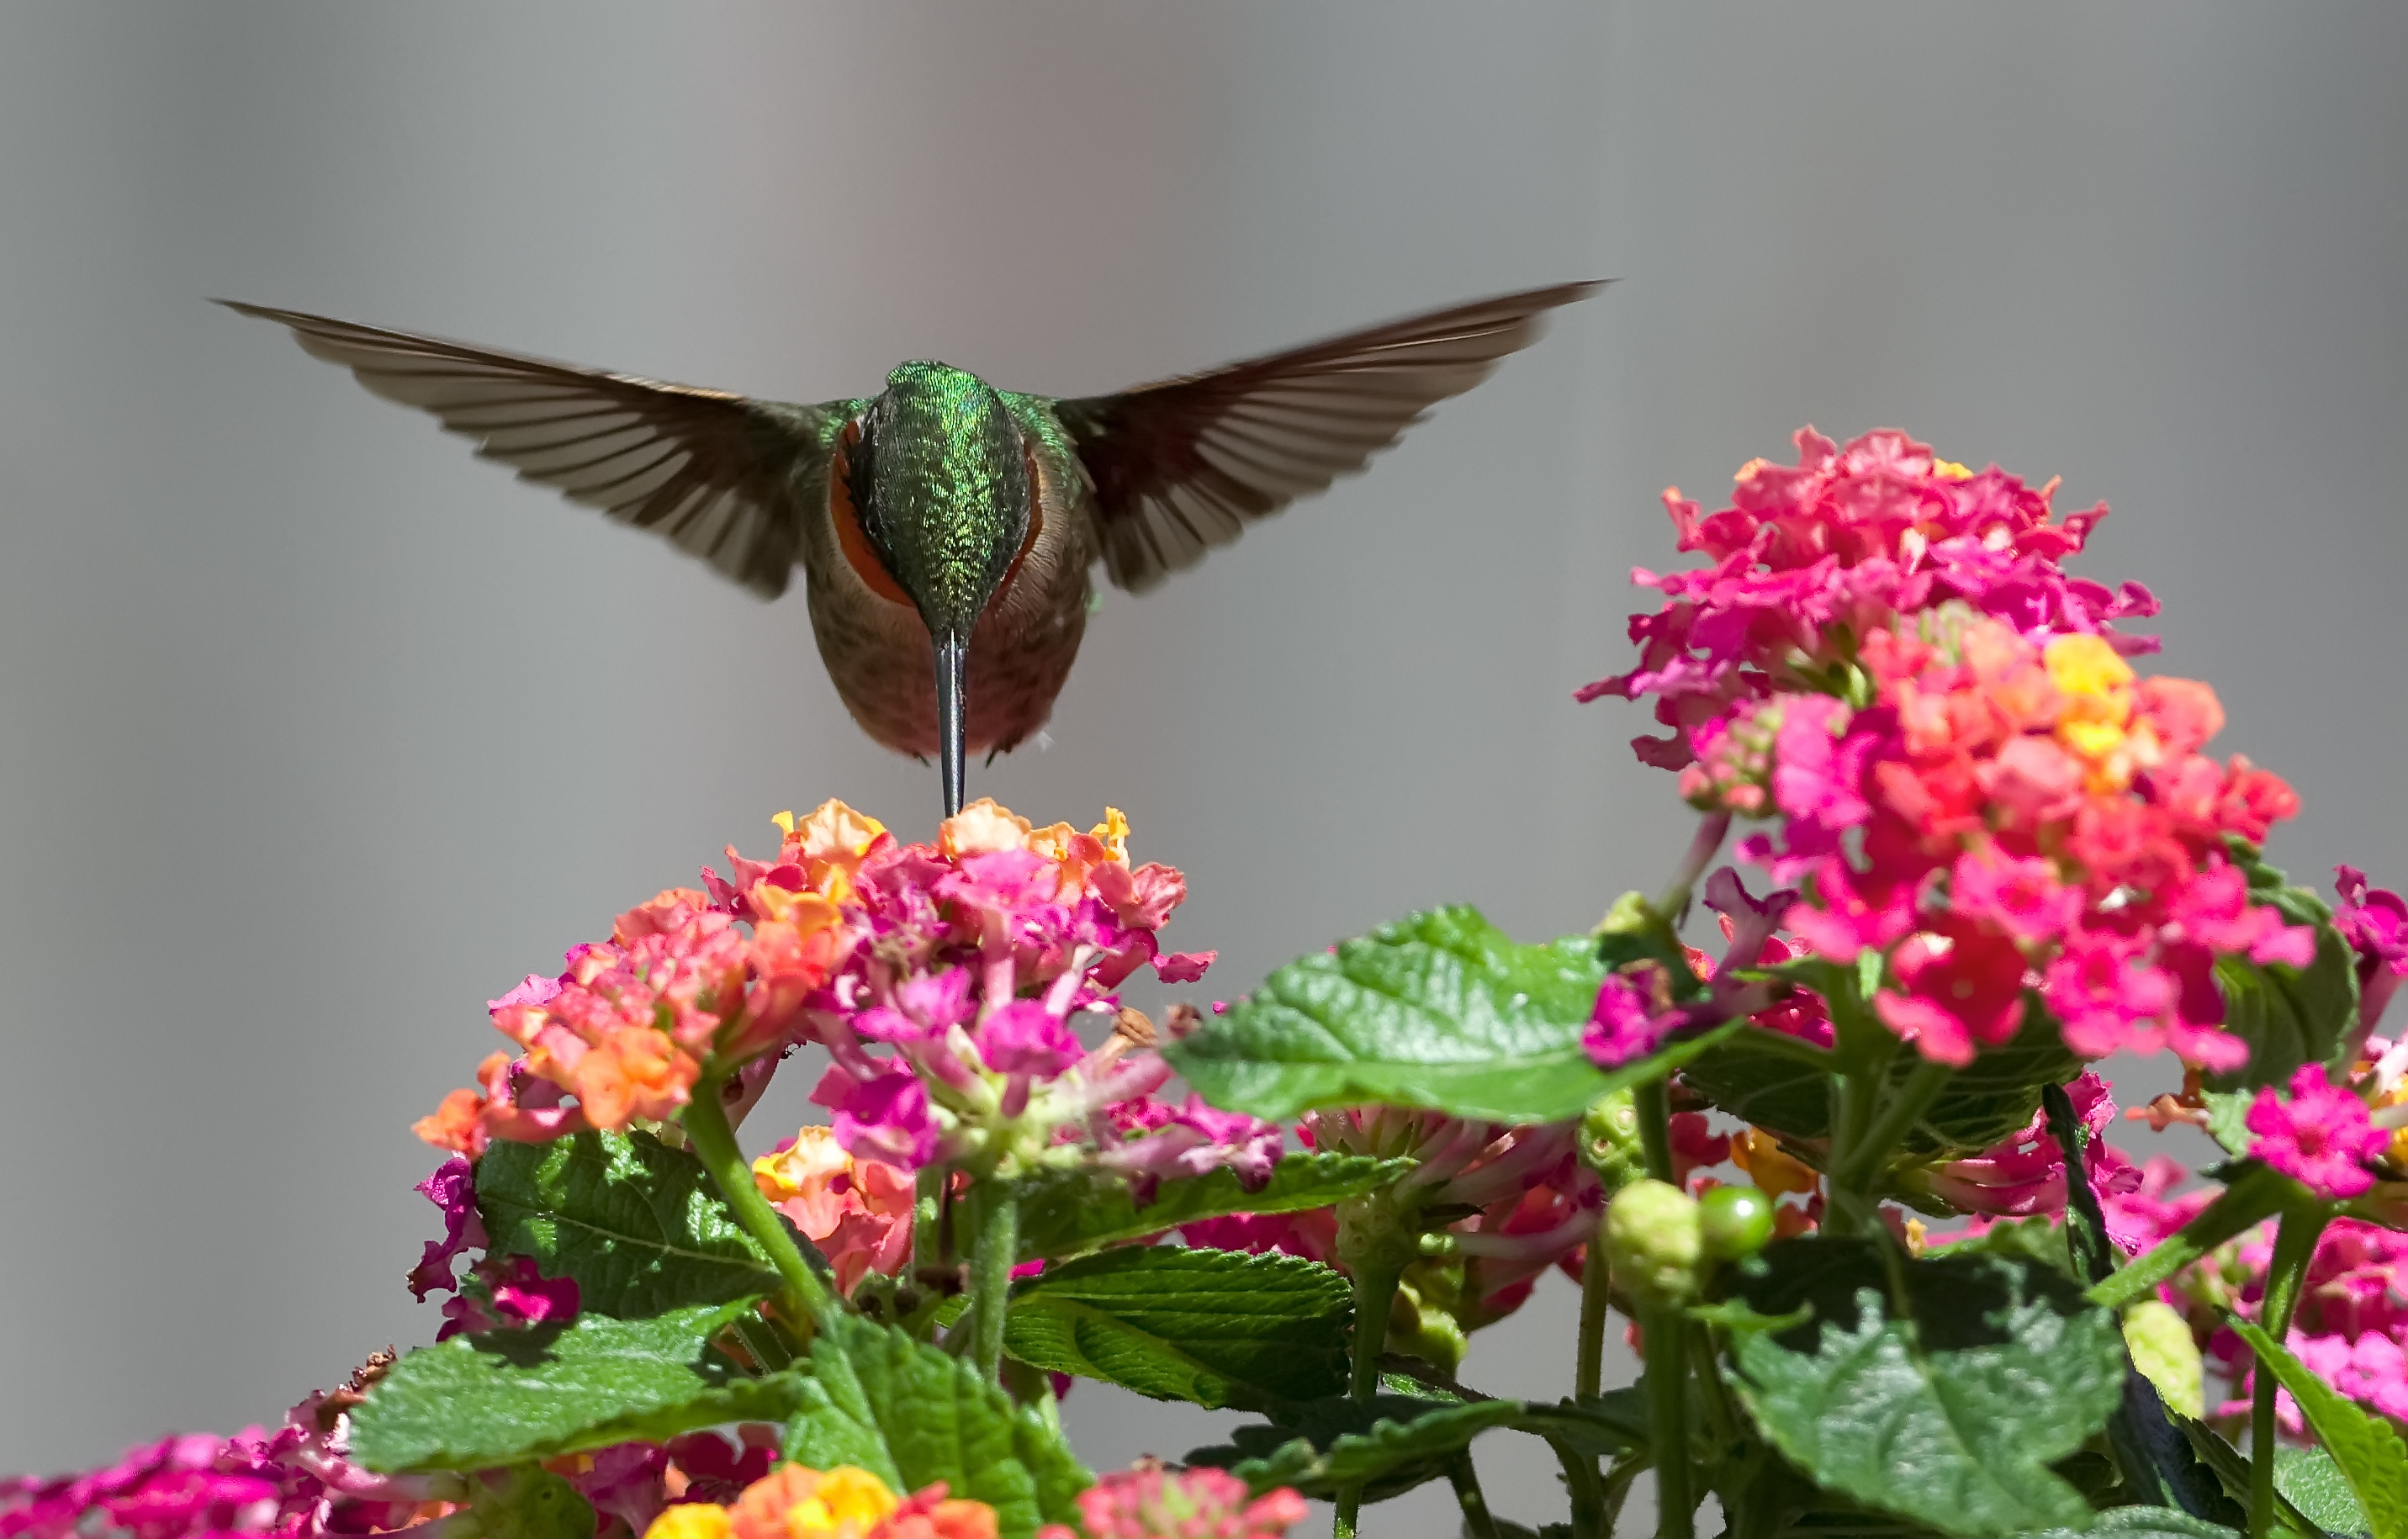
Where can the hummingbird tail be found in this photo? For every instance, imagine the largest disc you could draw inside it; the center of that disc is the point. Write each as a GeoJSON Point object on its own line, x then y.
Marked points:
{"type": "Point", "coordinates": [953, 712]}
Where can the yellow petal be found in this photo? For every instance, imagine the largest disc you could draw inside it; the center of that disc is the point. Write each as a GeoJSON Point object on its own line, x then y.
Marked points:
{"type": "Point", "coordinates": [691, 1520]}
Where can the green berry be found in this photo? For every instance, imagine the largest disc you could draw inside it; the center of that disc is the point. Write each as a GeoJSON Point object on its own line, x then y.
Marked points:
{"type": "Point", "coordinates": [1736, 1220]}
{"type": "Point", "coordinates": [1654, 1239]}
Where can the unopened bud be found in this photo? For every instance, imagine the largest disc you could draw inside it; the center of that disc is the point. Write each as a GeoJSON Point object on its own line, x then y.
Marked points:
{"type": "Point", "coordinates": [1654, 1239]}
{"type": "Point", "coordinates": [1610, 1144]}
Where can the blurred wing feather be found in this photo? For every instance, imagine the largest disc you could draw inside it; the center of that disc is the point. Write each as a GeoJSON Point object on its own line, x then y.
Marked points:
{"type": "Point", "coordinates": [716, 474]}
{"type": "Point", "coordinates": [1185, 465]}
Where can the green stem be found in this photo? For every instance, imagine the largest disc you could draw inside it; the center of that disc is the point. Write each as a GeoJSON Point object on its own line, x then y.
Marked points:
{"type": "Point", "coordinates": [762, 1341]}
{"type": "Point", "coordinates": [1668, 1419]}
{"type": "Point", "coordinates": [1886, 1130]}
{"type": "Point", "coordinates": [2255, 1197]}
{"type": "Point", "coordinates": [804, 1297]}
{"type": "Point", "coordinates": [927, 1199]}
{"type": "Point", "coordinates": [1619, 1479]}
{"type": "Point", "coordinates": [1375, 1294]}
{"type": "Point", "coordinates": [1653, 1103]}
{"type": "Point", "coordinates": [1591, 1519]}
{"type": "Point", "coordinates": [2295, 1243]}
{"type": "Point", "coordinates": [1596, 1286]}
{"type": "Point", "coordinates": [1477, 1522]}
{"type": "Point", "coordinates": [991, 1264]}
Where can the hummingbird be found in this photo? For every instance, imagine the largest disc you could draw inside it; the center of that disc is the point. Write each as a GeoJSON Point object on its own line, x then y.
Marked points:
{"type": "Point", "coordinates": [947, 529]}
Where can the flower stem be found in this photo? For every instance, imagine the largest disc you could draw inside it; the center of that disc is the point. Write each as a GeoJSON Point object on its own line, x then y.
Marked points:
{"type": "Point", "coordinates": [1591, 1516]}
{"type": "Point", "coordinates": [1674, 903]}
{"type": "Point", "coordinates": [1667, 1419]}
{"type": "Point", "coordinates": [804, 1297]}
{"type": "Point", "coordinates": [1653, 1103]}
{"type": "Point", "coordinates": [1890, 1128]}
{"type": "Point", "coordinates": [2254, 1196]}
{"type": "Point", "coordinates": [2295, 1243]}
{"type": "Point", "coordinates": [1595, 1282]}
{"type": "Point", "coordinates": [1375, 1293]}
{"type": "Point", "coordinates": [1477, 1520]}
{"type": "Point", "coordinates": [928, 1202]}
{"type": "Point", "coordinates": [991, 1264]}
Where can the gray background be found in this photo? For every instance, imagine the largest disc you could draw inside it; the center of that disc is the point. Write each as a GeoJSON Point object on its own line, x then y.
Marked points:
{"type": "Point", "coordinates": [317, 734]}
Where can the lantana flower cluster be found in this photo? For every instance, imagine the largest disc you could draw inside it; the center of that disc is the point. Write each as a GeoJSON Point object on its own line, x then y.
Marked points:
{"type": "Point", "coordinates": [1887, 657]}
{"type": "Point", "coordinates": [946, 982]}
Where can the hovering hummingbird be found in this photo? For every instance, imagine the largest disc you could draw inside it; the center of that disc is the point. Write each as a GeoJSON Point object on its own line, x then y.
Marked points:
{"type": "Point", "coordinates": [946, 528]}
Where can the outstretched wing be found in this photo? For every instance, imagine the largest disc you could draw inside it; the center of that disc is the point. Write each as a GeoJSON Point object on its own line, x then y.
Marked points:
{"type": "Point", "coordinates": [722, 477]}
{"type": "Point", "coordinates": [1183, 466]}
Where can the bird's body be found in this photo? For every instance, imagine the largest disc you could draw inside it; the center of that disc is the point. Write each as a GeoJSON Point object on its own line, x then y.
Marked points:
{"type": "Point", "coordinates": [946, 530]}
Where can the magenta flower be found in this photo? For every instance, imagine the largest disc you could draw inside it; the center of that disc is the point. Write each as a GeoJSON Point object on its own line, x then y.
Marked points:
{"type": "Point", "coordinates": [2320, 1136]}
{"type": "Point", "coordinates": [1154, 1502]}
{"type": "Point", "coordinates": [1628, 1022]}
{"type": "Point", "coordinates": [453, 1188]}
{"type": "Point", "coordinates": [1964, 986]}
{"type": "Point", "coordinates": [2022, 897]}
{"type": "Point", "coordinates": [2375, 921]}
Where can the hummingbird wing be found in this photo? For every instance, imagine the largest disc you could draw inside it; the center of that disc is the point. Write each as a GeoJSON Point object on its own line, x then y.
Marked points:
{"type": "Point", "coordinates": [722, 477]}
{"type": "Point", "coordinates": [1184, 464]}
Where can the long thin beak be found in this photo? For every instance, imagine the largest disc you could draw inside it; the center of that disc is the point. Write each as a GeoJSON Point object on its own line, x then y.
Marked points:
{"type": "Point", "coordinates": [952, 710]}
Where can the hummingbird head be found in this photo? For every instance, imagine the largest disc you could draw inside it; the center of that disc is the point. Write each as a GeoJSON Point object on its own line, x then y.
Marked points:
{"type": "Point", "coordinates": [941, 485]}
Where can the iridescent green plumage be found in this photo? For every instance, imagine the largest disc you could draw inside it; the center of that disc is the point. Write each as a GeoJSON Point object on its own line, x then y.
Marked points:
{"type": "Point", "coordinates": [946, 528]}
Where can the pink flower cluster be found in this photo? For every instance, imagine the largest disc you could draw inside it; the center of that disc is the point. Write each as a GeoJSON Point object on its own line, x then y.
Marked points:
{"type": "Point", "coordinates": [972, 959]}
{"type": "Point", "coordinates": [1886, 656]}
{"type": "Point", "coordinates": [1153, 1503]}
{"type": "Point", "coordinates": [296, 1482]}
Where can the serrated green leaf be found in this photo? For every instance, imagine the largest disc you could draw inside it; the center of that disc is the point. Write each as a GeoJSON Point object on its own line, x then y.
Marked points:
{"type": "Point", "coordinates": [502, 1396]}
{"type": "Point", "coordinates": [2289, 1016]}
{"type": "Point", "coordinates": [1388, 1447]}
{"type": "Point", "coordinates": [2230, 1469]}
{"type": "Point", "coordinates": [2367, 1447]}
{"type": "Point", "coordinates": [1940, 1389]}
{"type": "Point", "coordinates": [1441, 1009]}
{"type": "Point", "coordinates": [1989, 1099]}
{"type": "Point", "coordinates": [1400, 1441]}
{"type": "Point", "coordinates": [2311, 1481]}
{"type": "Point", "coordinates": [2144, 1523]}
{"type": "Point", "coordinates": [1215, 1327]}
{"type": "Point", "coordinates": [638, 1223]}
{"type": "Point", "coordinates": [1069, 1214]}
{"type": "Point", "coordinates": [910, 1413]}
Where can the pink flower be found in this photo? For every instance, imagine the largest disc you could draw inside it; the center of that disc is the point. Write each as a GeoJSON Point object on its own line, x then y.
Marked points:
{"type": "Point", "coordinates": [1024, 1037]}
{"type": "Point", "coordinates": [2375, 921]}
{"type": "Point", "coordinates": [1625, 1026]}
{"type": "Point", "coordinates": [1964, 985]}
{"type": "Point", "coordinates": [1817, 771]}
{"type": "Point", "coordinates": [2025, 1174]}
{"type": "Point", "coordinates": [1841, 922]}
{"type": "Point", "coordinates": [879, 1117]}
{"type": "Point", "coordinates": [2321, 1136]}
{"type": "Point", "coordinates": [453, 1188]}
{"type": "Point", "coordinates": [2107, 996]}
{"type": "Point", "coordinates": [2022, 897]}
{"type": "Point", "coordinates": [1153, 1503]}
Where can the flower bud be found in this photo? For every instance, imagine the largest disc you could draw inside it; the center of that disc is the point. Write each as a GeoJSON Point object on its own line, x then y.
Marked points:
{"type": "Point", "coordinates": [1610, 1144]}
{"type": "Point", "coordinates": [1734, 1221]}
{"type": "Point", "coordinates": [1654, 1239]}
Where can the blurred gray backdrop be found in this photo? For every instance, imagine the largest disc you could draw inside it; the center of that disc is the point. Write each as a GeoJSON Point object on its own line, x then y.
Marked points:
{"type": "Point", "coordinates": [315, 734]}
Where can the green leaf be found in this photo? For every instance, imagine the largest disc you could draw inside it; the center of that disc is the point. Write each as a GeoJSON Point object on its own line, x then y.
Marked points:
{"type": "Point", "coordinates": [638, 1223]}
{"type": "Point", "coordinates": [1400, 1441]}
{"type": "Point", "coordinates": [2144, 1523]}
{"type": "Point", "coordinates": [2231, 1468]}
{"type": "Point", "coordinates": [1214, 1327]}
{"type": "Point", "coordinates": [1441, 1009]}
{"type": "Point", "coordinates": [2367, 1447]}
{"type": "Point", "coordinates": [2311, 1481]}
{"type": "Point", "coordinates": [505, 1396]}
{"type": "Point", "coordinates": [1388, 1447]}
{"type": "Point", "coordinates": [2289, 1016]}
{"type": "Point", "coordinates": [529, 1503]}
{"type": "Point", "coordinates": [910, 1413]}
{"type": "Point", "coordinates": [1989, 1099]}
{"type": "Point", "coordinates": [1940, 1389]}
{"type": "Point", "coordinates": [1069, 1214]}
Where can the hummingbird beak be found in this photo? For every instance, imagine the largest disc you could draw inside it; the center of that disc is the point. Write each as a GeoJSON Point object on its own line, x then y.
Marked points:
{"type": "Point", "coordinates": [952, 711]}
